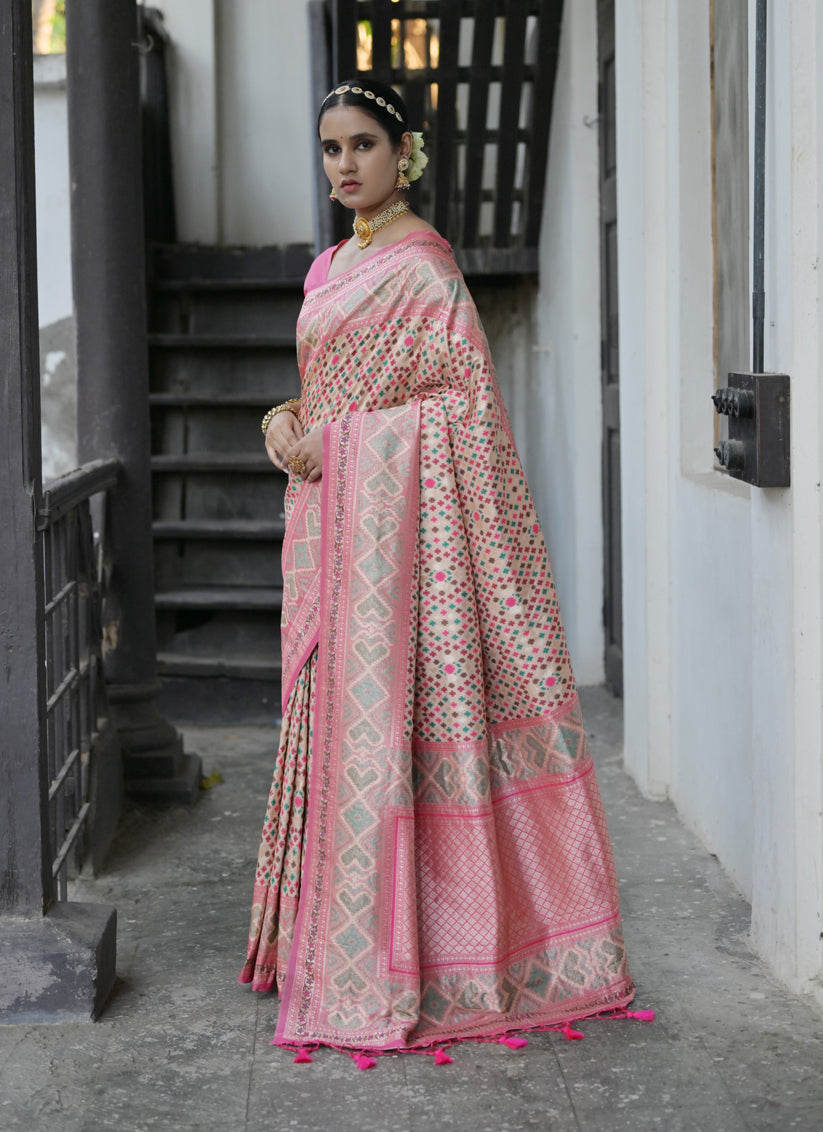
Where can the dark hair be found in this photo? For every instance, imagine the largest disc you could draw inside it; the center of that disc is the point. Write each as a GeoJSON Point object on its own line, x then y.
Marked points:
{"type": "Point", "coordinates": [381, 106]}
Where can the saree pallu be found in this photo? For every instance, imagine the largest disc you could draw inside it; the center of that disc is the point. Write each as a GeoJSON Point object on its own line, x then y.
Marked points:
{"type": "Point", "coordinates": [458, 877]}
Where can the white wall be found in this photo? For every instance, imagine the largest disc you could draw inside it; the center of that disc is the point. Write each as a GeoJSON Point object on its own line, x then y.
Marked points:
{"type": "Point", "coordinates": [57, 368]}
{"type": "Point", "coordinates": [562, 412]}
{"type": "Point", "coordinates": [243, 120]}
{"type": "Point", "coordinates": [722, 583]}
{"type": "Point", "coordinates": [192, 67]}
{"type": "Point", "coordinates": [52, 188]}
{"type": "Point", "coordinates": [786, 526]}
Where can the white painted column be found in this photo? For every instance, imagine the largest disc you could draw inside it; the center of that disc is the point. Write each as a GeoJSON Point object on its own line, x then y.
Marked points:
{"type": "Point", "coordinates": [646, 211]}
{"type": "Point", "coordinates": [787, 525]}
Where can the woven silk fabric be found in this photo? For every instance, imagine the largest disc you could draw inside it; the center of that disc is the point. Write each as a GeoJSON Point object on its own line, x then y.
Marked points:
{"type": "Point", "coordinates": [280, 857]}
{"type": "Point", "coordinates": [458, 879]}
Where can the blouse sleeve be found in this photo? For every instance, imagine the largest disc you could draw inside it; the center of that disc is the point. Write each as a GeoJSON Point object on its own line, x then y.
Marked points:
{"type": "Point", "coordinates": [319, 270]}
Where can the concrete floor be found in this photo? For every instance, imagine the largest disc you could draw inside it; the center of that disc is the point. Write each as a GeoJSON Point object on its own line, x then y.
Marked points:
{"type": "Point", "coordinates": [183, 1046]}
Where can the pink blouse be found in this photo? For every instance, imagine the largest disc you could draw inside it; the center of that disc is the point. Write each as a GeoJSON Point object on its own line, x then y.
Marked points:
{"type": "Point", "coordinates": [318, 273]}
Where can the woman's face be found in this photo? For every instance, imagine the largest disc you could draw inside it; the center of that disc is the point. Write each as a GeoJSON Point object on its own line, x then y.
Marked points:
{"type": "Point", "coordinates": [359, 159]}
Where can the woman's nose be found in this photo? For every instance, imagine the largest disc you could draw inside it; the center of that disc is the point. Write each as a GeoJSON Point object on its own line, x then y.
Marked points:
{"type": "Point", "coordinates": [346, 162]}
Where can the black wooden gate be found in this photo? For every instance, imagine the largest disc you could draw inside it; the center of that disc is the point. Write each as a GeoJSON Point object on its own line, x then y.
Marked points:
{"type": "Point", "coordinates": [609, 352]}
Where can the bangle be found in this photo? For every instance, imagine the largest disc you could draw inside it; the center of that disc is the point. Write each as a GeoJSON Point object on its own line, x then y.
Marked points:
{"type": "Point", "coordinates": [287, 406]}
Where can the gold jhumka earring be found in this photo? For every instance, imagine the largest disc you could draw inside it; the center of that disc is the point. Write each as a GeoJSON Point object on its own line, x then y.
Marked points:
{"type": "Point", "coordinates": [402, 181]}
{"type": "Point", "coordinates": [332, 195]}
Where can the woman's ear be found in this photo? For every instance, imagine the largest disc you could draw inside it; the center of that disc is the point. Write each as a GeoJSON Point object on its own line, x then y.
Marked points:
{"type": "Point", "coordinates": [406, 143]}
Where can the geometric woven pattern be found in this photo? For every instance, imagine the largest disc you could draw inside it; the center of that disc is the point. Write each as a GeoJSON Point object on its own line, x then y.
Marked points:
{"type": "Point", "coordinates": [280, 858]}
{"type": "Point", "coordinates": [480, 879]}
{"type": "Point", "coordinates": [458, 878]}
{"type": "Point", "coordinates": [491, 647]}
{"type": "Point", "coordinates": [300, 618]}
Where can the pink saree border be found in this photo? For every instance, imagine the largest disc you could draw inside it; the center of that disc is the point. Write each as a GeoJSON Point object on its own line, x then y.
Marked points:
{"type": "Point", "coordinates": [300, 639]}
{"type": "Point", "coordinates": [336, 445]}
{"type": "Point", "coordinates": [338, 489]}
{"type": "Point", "coordinates": [302, 645]}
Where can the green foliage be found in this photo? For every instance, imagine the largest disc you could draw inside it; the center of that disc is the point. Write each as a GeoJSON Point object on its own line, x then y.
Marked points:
{"type": "Point", "coordinates": [58, 28]}
{"type": "Point", "coordinates": [49, 26]}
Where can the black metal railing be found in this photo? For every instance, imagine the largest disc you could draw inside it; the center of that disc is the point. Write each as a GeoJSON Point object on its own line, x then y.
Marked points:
{"type": "Point", "coordinates": [158, 175]}
{"type": "Point", "coordinates": [76, 705]}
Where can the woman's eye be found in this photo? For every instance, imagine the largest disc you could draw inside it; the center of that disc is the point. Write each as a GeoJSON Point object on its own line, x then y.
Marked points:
{"type": "Point", "coordinates": [331, 150]}
{"type": "Point", "coordinates": [365, 145]}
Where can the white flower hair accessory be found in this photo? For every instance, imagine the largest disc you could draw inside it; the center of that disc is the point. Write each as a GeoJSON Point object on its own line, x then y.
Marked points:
{"type": "Point", "coordinates": [418, 160]}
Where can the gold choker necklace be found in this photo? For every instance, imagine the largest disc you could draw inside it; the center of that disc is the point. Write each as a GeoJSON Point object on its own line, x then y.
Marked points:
{"type": "Point", "coordinates": [365, 229]}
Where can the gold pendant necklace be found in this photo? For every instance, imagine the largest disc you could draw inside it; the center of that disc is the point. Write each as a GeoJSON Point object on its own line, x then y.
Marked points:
{"type": "Point", "coordinates": [365, 229]}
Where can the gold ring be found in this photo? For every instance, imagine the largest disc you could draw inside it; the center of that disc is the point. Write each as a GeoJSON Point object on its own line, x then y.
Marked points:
{"type": "Point", "coordinates": [296, 465]}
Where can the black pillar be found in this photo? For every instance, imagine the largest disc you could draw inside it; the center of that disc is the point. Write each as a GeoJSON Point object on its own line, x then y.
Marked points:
{"type": "Point", "coordinates": [57, 960]}
{"type": "Point", "coordinates": [108, 271]}
{"type": "Point", "coordinates": [26, 881]}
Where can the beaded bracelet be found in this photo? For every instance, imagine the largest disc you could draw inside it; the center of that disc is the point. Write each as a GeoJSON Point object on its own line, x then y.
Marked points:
{"type": "Point", "coordinates": [287, 406]}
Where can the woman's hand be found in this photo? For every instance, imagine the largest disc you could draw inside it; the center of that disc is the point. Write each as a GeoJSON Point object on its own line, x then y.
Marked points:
{"type": "Point", "coordinates": [309, 449]}
{"type": "Point", "coordinates": [283, 432]}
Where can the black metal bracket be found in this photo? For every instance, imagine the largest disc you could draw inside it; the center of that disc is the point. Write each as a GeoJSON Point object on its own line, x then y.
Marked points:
{"type": "Point", "coordinates": [758, 409]}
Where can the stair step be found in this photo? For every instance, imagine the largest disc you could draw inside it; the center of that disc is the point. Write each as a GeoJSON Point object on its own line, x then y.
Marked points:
{"type": "Point", "coordinates": [216, 285]}
{"type": "Point", "coordinates": [222, 341]}
{"type": "Point", "coordinates": [224, 529]}
{"type": "Point", "coordinates": [239, 667]}
{"type": "Point", "coordinates": [287, 265]}
{"type": "Point", "coordinates": [217, 462]}
{"type": "Point", "coordinates": [212, 400]}
{"type": "Point", "coordinates": [221, 597]}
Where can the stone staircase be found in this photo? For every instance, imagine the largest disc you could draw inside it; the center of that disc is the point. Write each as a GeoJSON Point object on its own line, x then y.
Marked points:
{"type": "Point", "coordinates": [222, 351]}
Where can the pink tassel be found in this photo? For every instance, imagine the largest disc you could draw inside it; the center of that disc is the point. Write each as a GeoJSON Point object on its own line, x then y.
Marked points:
{"type": "Point", "coordinates": [514, 1043]}
{"type": "Point", "coordinates": [363, 1061]}
{"type": "Point", "coordinates": [303, 1057]}
{"type": "Point", "coordinates": [643, 1015]}
{"type": "Point", "coordinates": [572, 1035]}
{"type": "Point", "coordinates": [442, 1058]}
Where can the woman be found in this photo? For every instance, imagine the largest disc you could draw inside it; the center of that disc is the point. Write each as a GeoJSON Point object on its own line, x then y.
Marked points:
{"type": "Point", "coordinates": [451, 876]}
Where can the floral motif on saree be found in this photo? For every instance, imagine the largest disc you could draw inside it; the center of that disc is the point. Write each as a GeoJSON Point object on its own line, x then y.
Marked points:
{"type": "Point", "coordinates": [458, 877]}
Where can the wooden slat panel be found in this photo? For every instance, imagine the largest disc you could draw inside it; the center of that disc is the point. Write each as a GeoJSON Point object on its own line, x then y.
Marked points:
{"type": "Point", "coordinates": [479, 72]}
{"type": "Point", "coordinates": [381, 18]}
{"type": "Point", "coordinates": [512, 86]}
{"type": "Point", "coordinates": [445, 150]}
{"type": "Point", "coordinates": [344, 43]}
{"type": "Point", "coordinates": [548, 42]}
{"type": "Point", "coordinates": [428, 74]}
{"type": "Point", "coordinates": [431, 9]}
{"type": "Point", "coordinates": [414, 94]}
{"type": "Point", "coordinates": [490, 137]}
{"type": "Point", "coordinates": [439, 194]}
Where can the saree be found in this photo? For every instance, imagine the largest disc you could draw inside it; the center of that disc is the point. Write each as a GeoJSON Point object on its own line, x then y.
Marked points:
{"type": "Point", "coordinates": [457, 874]}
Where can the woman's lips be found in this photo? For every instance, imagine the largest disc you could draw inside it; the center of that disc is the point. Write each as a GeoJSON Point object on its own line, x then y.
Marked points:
{"type": "Point", "coordinates": [349, 186]}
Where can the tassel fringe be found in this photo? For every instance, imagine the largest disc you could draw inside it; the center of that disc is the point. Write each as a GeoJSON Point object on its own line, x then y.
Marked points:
{"type": "Point", "coordinates": [367, 1059]}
